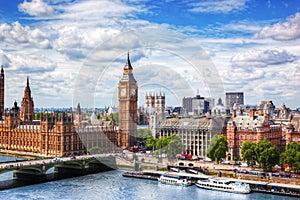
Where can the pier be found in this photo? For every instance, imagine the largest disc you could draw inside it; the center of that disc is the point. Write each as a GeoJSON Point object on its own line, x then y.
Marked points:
{"type": "Point", "coordinates": [256, 186]}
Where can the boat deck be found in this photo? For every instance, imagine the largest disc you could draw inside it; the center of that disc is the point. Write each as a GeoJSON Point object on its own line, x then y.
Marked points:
{"type": "Point", "coordinates": [256, 186]}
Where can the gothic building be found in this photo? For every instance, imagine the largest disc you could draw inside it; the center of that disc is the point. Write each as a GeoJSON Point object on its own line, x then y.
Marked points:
{"type": "Point", "coordinates": [52, 135]}
{"type": "Point", "coordinates": [155, 102]}
{"type": "Point", "coordinates": [128, 109]}
{"type": "Point", "coordinates": [62, 134]}
{"type": "Point", "coordinates": [27, 111]}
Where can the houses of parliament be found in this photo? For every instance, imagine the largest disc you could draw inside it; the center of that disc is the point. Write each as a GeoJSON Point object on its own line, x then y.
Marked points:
{"type": "Point", "coordinates": [62, 134]}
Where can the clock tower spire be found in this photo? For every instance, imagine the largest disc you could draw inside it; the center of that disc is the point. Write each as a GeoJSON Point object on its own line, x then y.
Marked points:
{"type": "Point", "coordinates": [128, 97]}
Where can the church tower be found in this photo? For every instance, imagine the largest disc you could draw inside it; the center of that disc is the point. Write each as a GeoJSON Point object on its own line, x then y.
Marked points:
{"type": "Point", "coordinates": [2, 93]}
{"type": "Point", "coordinates": [160, 103]}
{"type": "Point", "coordinates": [128, 109]}
{"type": "Point", "coordinates": [27, 112]}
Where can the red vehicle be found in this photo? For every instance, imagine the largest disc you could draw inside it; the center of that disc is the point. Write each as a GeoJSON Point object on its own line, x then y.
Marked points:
{"type": "Point", "coordinates": [133, 149]}
{"type": "Point", "coordinates": [185, 157]}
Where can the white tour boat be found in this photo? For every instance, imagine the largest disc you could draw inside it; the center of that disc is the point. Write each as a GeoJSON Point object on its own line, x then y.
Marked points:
{"type": "Point", "coordinates": [224, 185]}
{"type": "Point", "coordinates": [174, 179]}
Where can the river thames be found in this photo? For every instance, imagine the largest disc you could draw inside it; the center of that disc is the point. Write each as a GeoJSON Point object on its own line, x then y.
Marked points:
{"type": "Point", "coordinates": [112, 185]}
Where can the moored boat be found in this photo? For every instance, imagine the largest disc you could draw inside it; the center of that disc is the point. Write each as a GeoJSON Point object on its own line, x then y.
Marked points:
{"type": "Point", "coordinates": [224, 185]}
{"type": "Point", "coordinates": [174, 179]}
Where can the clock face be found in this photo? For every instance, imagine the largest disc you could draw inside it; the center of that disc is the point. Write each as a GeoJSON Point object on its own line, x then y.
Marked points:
{"type": "Point", "coordinates": [133, 92]}
{"type": "Point", "coordinates": [123, 92]}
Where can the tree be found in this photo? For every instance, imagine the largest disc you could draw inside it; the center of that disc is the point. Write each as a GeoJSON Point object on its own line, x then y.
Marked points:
{"type": "Point", "coordinates": [248, 152]}
{"type": "Point", "coordinates": [291, 156]}
{"type": "Point", "coordinates": [174, 146]}
{"type": "Point", "coordinates": [212, 147]}
{"type": "Point", "coordinates": [143, 133]}
{"type": "Point", "coordinates": [169, 145]}
{"type": "Point", "coordinates": [217, 148]}
{"type": "Point", "coordinates": [95, 150]}
{"type": "Point", "coordinates": [267, 155]}
{"type": "Point", "coordinates": [296, 165]}
{"type": "Point", "coordinates": [151, 142]}
{"type": "Point", "coordinates": [161, 143]}
{"type": "Point", "coordinates": [115, 117]}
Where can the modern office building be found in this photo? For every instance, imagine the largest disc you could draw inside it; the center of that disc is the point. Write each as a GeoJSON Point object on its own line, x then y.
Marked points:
{"type": "Point", "coordinates": [234, 98]}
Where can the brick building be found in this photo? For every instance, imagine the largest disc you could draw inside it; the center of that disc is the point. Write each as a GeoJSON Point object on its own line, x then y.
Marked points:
{"type": "Point", "coordinates": [254, 127]}
{"type": "Point", "coordinates": [292, 130]}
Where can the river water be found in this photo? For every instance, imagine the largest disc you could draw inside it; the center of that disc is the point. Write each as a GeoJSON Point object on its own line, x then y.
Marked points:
{"type": "Point", "coordinates": [111, 185]}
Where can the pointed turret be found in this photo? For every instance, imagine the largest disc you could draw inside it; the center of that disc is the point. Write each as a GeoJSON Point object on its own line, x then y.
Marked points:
{"type": "Point", "coordinates": [27, 112]}
{"type": "Point", "coordinates": [78, 110]}
{"type": "Point", "coordinates": [27, 91]}
{"type": "Point", "coordinates": [128, 64]}
{"type": "Point", "coordinates": [127, 68]}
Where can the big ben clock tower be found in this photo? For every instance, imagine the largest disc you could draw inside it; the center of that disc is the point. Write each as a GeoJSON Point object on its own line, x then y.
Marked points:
{"type": "Point", "coordinates": [128, 96]}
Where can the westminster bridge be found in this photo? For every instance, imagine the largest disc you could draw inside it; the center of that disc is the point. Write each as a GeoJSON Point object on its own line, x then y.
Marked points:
{"type": "Point", "coordinates": [27, 172]}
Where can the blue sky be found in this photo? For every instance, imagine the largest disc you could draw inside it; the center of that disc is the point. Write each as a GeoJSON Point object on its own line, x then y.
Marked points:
{"type": "Point", "coordinates": [74, 50]}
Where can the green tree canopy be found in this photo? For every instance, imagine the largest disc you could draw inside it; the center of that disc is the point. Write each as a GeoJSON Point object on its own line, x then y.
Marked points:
{"type": "Point", "coordinates": [248, 152]}
{"type": "Point", "coordinates": [151, 142]}
{"type": "Point", "coordinates": [174, 146]}
{"type": "Point", "coordinates": [169, 145]}
{"type": "Point", "coordinates": [143, 133]}
{"type": "Point", "coordinates": [267, 155]}
{"type": "Point", "coordinates": [217, 147]}
{"type": "Point", "coordinates": [291, 156]}
{"type": "Point", "coordinates": [95, 150]}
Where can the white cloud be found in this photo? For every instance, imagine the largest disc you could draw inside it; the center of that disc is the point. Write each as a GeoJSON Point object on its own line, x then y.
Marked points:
{"type": "Point", "coordinates": [240, 76]}
{"type": "Point", "coordinates": [259, 58]}
{"type": "Point", "coordinates": [4, 60]}
{"type": "Point", "coordinates": [36, 8]}
{"type": "Point", "coordinates": [103, 29]}
{"type": "Point", "coordinates": [288, 30]}
{"type": "Point", "coordinates": [77, 43]}
{"type": "Point", "coordinates": [219, 6]}
{"type": "Point", "coordinates": [23, 35]}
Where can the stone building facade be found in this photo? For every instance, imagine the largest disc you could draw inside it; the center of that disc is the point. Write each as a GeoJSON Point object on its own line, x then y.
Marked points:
{"type": "Point", "coordinates": [195, 133]}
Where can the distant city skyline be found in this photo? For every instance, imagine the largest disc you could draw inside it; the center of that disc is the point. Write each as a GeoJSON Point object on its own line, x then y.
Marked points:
{"type": "Point", "coordinates": [74, 51]}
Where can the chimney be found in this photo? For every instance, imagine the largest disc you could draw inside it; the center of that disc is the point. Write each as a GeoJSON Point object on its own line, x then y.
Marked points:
{"type": "Point", "coordinates": [252, 111]}
{"type": "Point", "coordinates": [233, 113]}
